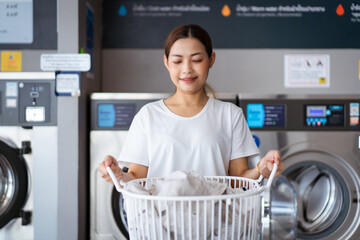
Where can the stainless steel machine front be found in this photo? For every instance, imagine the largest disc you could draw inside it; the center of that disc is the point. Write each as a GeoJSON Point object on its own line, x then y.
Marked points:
{"type": "Point", "coordinates": [319, 139]}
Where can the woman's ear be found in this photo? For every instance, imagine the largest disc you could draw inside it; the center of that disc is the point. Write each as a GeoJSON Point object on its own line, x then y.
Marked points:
{"type": "Point", "coordinates": [166, 62]}
{"type": "Point", "coordinates": [212, 59]}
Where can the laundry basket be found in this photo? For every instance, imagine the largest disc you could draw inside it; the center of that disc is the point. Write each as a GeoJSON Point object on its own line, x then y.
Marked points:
{"type": "Point", "coordinates": [234, 216]}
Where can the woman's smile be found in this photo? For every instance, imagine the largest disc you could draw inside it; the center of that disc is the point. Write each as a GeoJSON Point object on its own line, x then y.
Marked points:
{"type": "Point", "coordinates": [188, 79]}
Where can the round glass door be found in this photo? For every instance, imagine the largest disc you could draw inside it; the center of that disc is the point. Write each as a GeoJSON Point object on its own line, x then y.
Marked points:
{"type": "Point", "coordinates": [326, 186]}
{"type": "Point", "coordinates": [7, 185]}
{"type": "Point", "coordinates": [13, 183]}
{"type": "Point", "coordinates": [322, 198]}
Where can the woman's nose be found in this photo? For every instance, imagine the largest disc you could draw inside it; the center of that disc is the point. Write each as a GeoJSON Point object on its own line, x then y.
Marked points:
{"type": "Point", "coordinates": [187, 67]}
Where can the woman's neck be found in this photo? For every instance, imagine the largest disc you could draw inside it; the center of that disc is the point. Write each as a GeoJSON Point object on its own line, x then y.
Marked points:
{"type": "Point", "coordinates": [186, 105]}
{"type": "Point", "coordinates": [190, 99]}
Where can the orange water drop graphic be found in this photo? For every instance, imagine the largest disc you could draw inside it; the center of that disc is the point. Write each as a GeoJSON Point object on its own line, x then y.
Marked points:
{"type": "Point", "coordinates": [340, 10]}
{"type": "Point", "coordinates": [226, 11]}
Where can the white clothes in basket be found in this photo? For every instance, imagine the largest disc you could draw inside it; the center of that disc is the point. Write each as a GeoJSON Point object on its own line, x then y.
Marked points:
{"type": "Point", "coordinates": [198, 219]}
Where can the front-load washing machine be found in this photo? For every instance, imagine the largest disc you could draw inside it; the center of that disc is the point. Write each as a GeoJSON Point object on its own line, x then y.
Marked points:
{"type": "Point", "coordinates": [319, 139]}
{"type": "Point", "coordinates": [111, 116]}
{"type": "Point", "coordinates": [27, 101]}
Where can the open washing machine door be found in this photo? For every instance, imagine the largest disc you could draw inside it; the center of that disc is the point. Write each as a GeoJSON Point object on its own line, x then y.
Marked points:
{"type": "Point", "coordinates": [322, 182]}
{"type": "Point", "coordinates": [119, 213]}
{"type": "Point", "coordinates": [279, 211]}
{"type": "Point", "coordinates": [13, 182]}
{"type": "Point", "coordinates": [118, 210]}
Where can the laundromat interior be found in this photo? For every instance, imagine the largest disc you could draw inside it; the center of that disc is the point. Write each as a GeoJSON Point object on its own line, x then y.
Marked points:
{"type": "Point", "coordinates": [74, 73]}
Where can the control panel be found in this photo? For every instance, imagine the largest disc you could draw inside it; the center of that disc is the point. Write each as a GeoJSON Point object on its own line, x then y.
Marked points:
{"type": "Point", "coordinates": [115, 111]}
{"type": "Point", "coordinates": [27, 100]}
{"type": "Point", "coordinates": [265, 115]}
{"type": "Point", "coordinates": [319, 113]}
{"type": "Point", "coordinates": [115, 115]}
{"type": "Point", "coordinates": [324, 115]}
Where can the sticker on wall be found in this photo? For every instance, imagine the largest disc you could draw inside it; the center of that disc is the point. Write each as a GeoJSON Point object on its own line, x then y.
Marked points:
{"type": "Point", "coordinates": [65, 62]}
{"type": "Point", "coordinates": [11, 61]}
{"type": "Point", "coordinates": [67, 84]}
{"type": "Point", "coordinates": [307, 71]}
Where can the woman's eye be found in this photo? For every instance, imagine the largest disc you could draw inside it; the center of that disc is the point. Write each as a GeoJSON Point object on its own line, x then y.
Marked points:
{"type": "Point", "coordinates": [177, 62]}
{"type": "Point", "coordinates": [199, 60]}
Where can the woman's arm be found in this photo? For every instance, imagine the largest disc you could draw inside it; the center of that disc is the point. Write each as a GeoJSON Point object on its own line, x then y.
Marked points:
{"type": "Point", "coordinates": [239, 167]}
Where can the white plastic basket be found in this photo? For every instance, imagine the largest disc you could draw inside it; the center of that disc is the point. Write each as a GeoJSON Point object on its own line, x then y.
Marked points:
{"type": "Point", "coordinates": [234, 216]}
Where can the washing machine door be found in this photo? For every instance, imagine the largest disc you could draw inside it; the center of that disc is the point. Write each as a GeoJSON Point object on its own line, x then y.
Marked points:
{"type": "Point", "coordinates": [279, 211]}
{"type": "Point", "coordinates": [13, 182]}
{"type": "Point", "coordinates": [118, 210]}
{"type": "Point", "coordinates": [325, 186]}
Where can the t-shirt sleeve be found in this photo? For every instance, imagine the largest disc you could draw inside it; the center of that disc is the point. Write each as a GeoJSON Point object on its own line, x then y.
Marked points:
{"type": "Point", "coordinates": [243, 144]}
{"type": "Point", "coordinates": [135, 149]}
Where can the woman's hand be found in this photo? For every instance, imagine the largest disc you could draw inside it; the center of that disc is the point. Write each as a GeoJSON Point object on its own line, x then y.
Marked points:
{"type": "Point", "coordinates": [110, 161]}
{"type": "Point", "coordinates": [265, 165]}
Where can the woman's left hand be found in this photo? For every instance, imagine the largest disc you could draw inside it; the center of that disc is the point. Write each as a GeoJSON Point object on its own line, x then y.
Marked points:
{"type": "Point", "coordinates": [266, 163]}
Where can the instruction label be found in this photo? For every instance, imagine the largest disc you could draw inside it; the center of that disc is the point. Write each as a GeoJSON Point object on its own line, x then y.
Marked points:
{"type": "Point", "coordinates": [68, 84]}
{"type": "Point", "coordinates": [309, 71]}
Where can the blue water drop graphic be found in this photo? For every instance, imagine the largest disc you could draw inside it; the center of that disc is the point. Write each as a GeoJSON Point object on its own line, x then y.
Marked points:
{"type": "Point", "coordinates": [122, 10]}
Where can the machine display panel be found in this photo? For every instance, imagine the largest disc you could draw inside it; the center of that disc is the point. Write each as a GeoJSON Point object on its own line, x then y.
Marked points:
{"type": "Point", "coordinates": [265, 115]}
{"type": "Point", "coordinates": [316, 111]}
{"type": "Point", "coordinates": [115, 115]}
{"type": "Point", "coordinates": [324, 115]}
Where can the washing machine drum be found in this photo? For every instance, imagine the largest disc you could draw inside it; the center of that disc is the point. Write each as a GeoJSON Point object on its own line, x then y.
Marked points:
{"type": "Point", "coordinates": [13, 183]}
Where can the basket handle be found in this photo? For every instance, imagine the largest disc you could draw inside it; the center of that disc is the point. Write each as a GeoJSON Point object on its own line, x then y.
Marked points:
{"type": "Point", "coordinates": [271, 177]}
{"type": "Point", "coordinates": [113, 178]}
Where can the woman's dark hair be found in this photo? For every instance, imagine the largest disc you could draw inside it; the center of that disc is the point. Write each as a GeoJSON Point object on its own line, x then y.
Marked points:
{"type": "Point", "coordinates": [187, 31]}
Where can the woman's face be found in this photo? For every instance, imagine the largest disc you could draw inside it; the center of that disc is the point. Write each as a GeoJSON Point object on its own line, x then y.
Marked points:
{"type": "Point", "coordinates": [188, 65]}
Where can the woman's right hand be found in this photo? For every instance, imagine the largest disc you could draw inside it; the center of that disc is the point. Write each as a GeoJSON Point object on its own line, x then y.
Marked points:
{"type": "Point", "coordinates": [110, 161]}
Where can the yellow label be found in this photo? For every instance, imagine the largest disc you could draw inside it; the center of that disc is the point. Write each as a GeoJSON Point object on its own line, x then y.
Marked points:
{"type": "Point", "coordinates": [322, 80]}
{"type": "Point", "coordinates": [11, 61]}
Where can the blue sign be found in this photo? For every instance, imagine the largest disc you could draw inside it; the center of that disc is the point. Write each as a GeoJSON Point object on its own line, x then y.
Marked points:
{"type": "Point", "coordinates": [106, 115]}
{"type": "Point", "coordinates": [255, 115]}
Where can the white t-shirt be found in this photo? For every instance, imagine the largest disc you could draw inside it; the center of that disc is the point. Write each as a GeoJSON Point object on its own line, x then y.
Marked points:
{"type": "Point", "coordinates": [165, 142]}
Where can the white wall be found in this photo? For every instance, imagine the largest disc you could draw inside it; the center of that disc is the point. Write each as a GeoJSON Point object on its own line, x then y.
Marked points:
{"type": "Point", "coordinates": [235, 70]}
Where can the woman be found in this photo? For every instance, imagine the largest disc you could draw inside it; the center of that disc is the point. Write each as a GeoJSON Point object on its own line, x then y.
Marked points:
{"type": "Point", "coordinates": [189, 130]}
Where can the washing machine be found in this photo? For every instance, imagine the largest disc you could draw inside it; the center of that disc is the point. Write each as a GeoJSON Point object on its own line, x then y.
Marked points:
{"type": "Point", "coordinates": [27, 101]}
{"type": "Point", "coordinates": [111, 116]}
{"type": "Point", "coordinates": [319, 140]}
